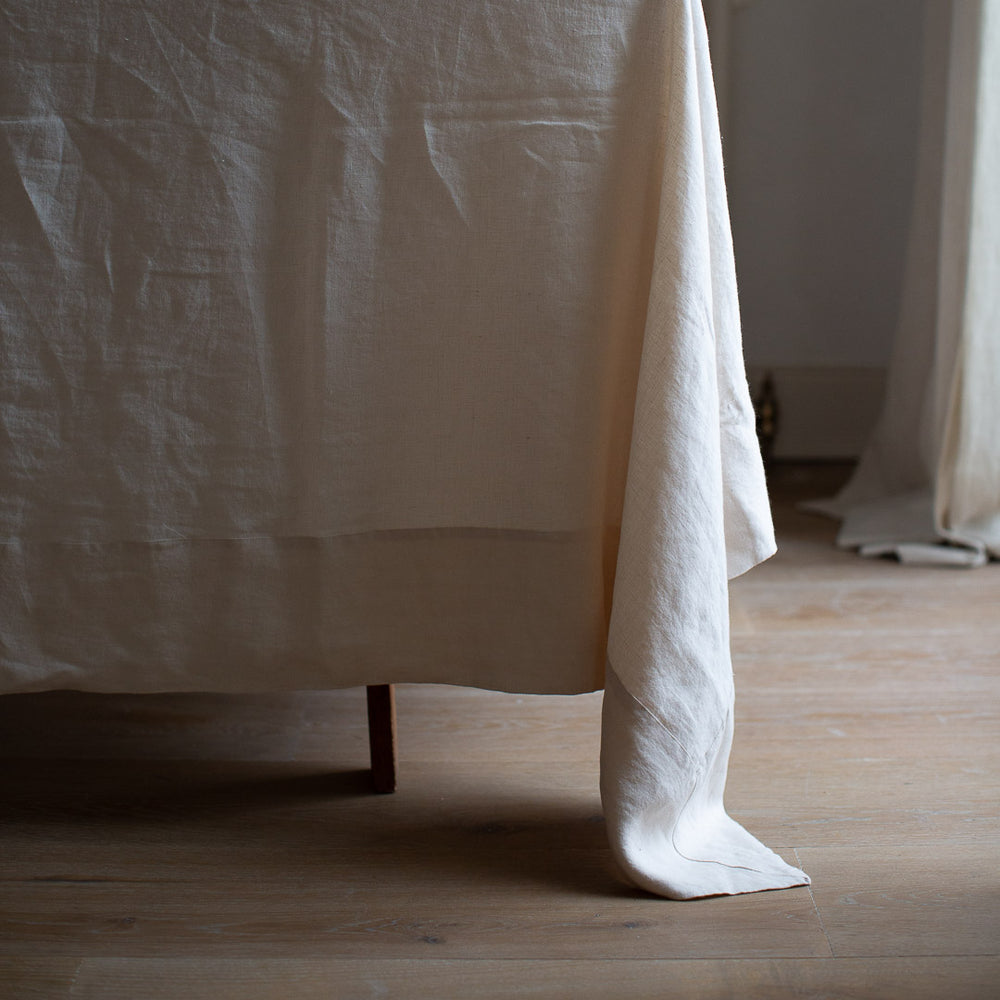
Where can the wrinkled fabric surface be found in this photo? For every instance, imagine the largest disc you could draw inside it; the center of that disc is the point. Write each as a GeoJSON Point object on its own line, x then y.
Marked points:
{"type": "Point", "coordinates": [383, 340]}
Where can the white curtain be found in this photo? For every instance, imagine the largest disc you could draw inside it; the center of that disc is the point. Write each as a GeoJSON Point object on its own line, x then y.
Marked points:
{"type": "Point", "coordinates": [927, 488]}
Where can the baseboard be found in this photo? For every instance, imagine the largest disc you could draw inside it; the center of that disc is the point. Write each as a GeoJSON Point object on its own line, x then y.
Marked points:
{"type": "Point", "coordinates": [825, 413]}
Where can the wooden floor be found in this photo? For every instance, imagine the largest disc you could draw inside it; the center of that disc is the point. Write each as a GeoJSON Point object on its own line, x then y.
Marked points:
{"type": "Point", "coordinates": [216, 847]}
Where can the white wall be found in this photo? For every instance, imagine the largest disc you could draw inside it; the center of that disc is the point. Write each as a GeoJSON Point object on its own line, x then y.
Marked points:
{"type": "Point", "coordinates": [821, 110]}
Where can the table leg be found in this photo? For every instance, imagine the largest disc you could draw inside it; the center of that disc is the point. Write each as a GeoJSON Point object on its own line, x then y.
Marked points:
{"type": "Point", "coordinates": [382, 736]}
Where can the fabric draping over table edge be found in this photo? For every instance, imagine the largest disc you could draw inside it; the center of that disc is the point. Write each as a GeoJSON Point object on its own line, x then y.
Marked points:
{"type": "Point", "coordinates": [696, 513]}
{"type": "Point", "coordinates": [510, 611]}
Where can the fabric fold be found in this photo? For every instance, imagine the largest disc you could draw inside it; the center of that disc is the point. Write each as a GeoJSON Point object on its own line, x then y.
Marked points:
{"type": "Point", "coordinates": [667, 824]}
{"type": "Point", "coordinates": [927, 487]}
{"type": "Point", "coordinates": [696, 512]}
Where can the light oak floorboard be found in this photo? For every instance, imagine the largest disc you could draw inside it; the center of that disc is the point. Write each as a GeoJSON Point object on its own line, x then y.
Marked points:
{"type": "Point", "coordinates": [30, 978]}
{"type": "Point", "coordinates": [311, 979]}
{"type": "Point", "coordinates": [905, 900]}
{"type": "Point", "coordinates": [246, 859]}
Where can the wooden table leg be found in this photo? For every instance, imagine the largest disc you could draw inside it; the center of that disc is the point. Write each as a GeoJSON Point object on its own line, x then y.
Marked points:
{"type": "Point", "coordinates": [382, 736]}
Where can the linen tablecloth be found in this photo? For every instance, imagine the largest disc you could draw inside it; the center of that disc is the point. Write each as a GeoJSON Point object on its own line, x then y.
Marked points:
{"type": "Point", "coordinates": [363, 341]}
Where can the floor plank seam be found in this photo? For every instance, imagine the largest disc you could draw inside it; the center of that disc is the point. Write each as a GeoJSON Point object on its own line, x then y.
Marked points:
{"type": "Point", "coordinates": [819, 916]}
{"type": "Point", "coordinates": [74, 977]}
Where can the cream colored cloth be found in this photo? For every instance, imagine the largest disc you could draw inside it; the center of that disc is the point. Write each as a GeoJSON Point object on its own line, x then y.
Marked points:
{"type": "Point", "coordinates": [343, 340]}
{"type": "Point", "coordinates": [927, 488]}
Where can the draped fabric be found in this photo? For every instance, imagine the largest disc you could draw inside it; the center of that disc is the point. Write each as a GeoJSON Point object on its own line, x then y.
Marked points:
{"type": "Point", "coordinates": [927, 488]}
{"type": "Point", "coordinates": [363, 341]}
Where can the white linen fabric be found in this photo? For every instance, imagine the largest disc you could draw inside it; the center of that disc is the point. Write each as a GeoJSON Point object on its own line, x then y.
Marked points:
{"type": "Point", "coordinates": [927, 489]}
{"type": "Point", "coordinates": [342, 341]}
